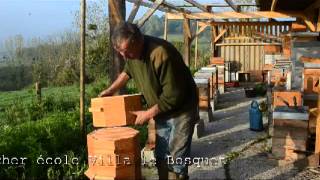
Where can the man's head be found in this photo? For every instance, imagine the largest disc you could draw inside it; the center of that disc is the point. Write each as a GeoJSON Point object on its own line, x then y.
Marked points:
{"type": "Point", "coordinates": [127, 40]}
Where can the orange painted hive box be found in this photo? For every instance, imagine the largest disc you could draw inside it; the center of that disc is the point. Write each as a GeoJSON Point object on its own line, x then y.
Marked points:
{"type": "Point", "coordinates": [310, 79]}
{"type": "Point", "coordinates": [115, 110]}
{"type": "Point", "coordinates": [280, 98]}
{"type": "Point", "coordinates": [114, 153]}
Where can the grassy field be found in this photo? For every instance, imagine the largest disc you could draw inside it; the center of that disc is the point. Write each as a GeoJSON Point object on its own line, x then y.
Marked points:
{"type": "Point", "coordinates": [48, 129]}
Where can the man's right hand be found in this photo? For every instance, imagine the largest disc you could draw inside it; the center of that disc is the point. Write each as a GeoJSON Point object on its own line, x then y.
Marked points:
{"type": "Point", "coordinates": [105, 93]}
{"type": "Point", "coordinates": [116, 85]}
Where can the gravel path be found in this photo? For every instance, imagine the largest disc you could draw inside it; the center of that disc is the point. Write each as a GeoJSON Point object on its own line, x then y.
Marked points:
{"type": "Point", "coordinates": [228, 139]}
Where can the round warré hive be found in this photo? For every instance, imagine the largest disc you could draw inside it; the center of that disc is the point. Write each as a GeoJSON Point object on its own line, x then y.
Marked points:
{"type": "Point", "coordinates": [114, 153]}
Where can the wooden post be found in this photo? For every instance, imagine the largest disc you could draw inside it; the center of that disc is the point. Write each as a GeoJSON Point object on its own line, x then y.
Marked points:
{"type": "Point", "coordinates": [317, 141]}
{"type": "Point", "coordinates": [117, 10]}
{"type": "Point", "coordinates": [38, 91]}
{"type": "Point", "coordinates": [82, 68]}
{"type": "Point", "coordinates": [187, 40]}
{"type": "Point", "coordinates": [196, 48]}
{"type": "Point", "coordinates": [165, 30]}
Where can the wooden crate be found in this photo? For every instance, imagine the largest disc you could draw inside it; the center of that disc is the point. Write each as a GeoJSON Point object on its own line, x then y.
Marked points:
{"type": "Point", "coordinates": [287, 96]}
{"type": "Point", "coordinates": [114, 153]}
{"type": "Point", "coordinates": [115, 110]}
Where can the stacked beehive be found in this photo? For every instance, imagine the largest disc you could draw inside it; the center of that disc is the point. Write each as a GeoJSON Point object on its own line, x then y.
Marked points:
{"type": "Point", "coordinates": [204, 92]}
{"type": "Point", "coordinates": [113, 151]}
{"type": "Point", "coordinates": [219, 63]}
{"type": "Point", "coordinates": [290, 134]}
{"type": "Point", "coordinates": [311, 74]}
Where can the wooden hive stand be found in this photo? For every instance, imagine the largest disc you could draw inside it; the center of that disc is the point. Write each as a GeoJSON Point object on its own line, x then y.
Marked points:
{"type": "Point", "coordinates": [114, 153]}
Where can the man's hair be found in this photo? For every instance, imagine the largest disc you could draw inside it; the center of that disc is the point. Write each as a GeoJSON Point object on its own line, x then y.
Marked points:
{"type": "Point", "coordinates": [125, 31]}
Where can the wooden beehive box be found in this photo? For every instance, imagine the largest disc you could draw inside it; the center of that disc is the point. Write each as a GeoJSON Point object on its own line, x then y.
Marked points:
{"type": "Point", "coordinates": [203, 92]}
{"type": "Point", "coordinates": [272, 49]}
{"type": "Point", "coordinates": [311, 76]}
{"type": "Point", "coordinates": [207, 75]}
{"type": "Point", "coordinates": [114, 153]}
{"type": "Point", "coordinates": [217, 61]}
{"type": "Point", "coordinates": [290, 132]}
{"type": "Point", "coordinates": [115, 110]}
{"type": "Point", "coordinates": [288, 96]}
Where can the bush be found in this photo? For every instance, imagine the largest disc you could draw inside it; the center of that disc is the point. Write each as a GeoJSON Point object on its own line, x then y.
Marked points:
{"type": "Point", "coordinates": [54, 136]}
{"type": "Point", "coordinates": [261, 89]}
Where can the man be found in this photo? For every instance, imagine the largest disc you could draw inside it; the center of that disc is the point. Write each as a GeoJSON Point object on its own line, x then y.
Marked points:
{"type": "Point", "coordinates": [169, 90]}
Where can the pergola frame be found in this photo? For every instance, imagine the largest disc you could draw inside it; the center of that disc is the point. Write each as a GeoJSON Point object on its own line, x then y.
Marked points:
{"type": "Point", "coordinates": [204, 19]}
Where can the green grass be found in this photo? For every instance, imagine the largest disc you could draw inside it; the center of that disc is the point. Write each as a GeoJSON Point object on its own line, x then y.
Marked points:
{"type": "Point", "coordinates": [50, 128]}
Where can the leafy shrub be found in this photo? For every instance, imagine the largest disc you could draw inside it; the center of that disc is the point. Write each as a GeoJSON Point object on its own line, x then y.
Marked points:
{"type": "Point", "coordinates": [55, 136]}
{"type": "Point", "coordinates": [260, 89]}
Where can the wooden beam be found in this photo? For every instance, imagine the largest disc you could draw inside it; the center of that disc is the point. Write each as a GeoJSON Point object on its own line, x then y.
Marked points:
{"type": "Point", "coordinates": [171, 6]}
{"type": "Point", "coordinates": [220, 35]}
{"type": "Point", "coordinates": [117, 14]}
{"type": "Point", "coordinates": [196, 47]}
{"type": "Point", "coordinates": [187, 41]}
{"type": "Point", "coordinates": [221, 5]}
{"type": "Point", "coordinates": [196, 4]}
{"type": "Point", "coordinates": [186, 28]}
{"type": "Point", "coordinates": [313, 6]}
{"type": "Point", "coordinates": [114, 11]}
{"type": "Point", "coordinates": [237, 15]}
{"type": "Point", "coordinates": [273, 5]}
{"type": "Point", "coordinates": [318, 22]}
{"type": "Point", "coordinates": [149, 5]}
{"type": "Point", "coordinates": [165, 30]}
{"type": "Point", "coordinates": [248, 23]}
{"type": "Point", "coordinates": [134, 11]}
{"type": "Point", "coordinates": [247, 44]}
{"type": "Point", "coordinates": [82, 68]}
{"type": "Point", "coordinates": [199, 31]}
{"type": "Point", "coordinates": [149, 13]}
{"type": "Point", "coordinates": [233, 6]}
{"type": "Point", "coordinates": [309, 24]}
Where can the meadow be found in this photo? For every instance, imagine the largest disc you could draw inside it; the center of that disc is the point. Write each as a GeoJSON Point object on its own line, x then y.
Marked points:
{"type": "Point", "coordinates": [46, 133]}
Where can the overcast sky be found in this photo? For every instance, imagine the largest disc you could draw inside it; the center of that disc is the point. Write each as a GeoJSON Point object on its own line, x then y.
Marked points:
{"type": "Point", "coordinates": [40, 18]}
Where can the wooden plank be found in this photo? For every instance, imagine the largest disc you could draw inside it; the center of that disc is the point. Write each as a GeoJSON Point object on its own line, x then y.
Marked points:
{"type": "Point", "coordinates": [237, 15]}
{"type": "Point", "coordinates": [134, 11]}
{"type": "Point", "coordinates": [149, 13]}
{"type": "Point", "coordinates": [198, 5]}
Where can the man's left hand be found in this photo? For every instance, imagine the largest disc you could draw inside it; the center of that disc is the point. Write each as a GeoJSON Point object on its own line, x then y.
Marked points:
{"type": "Point", "coordinates": [142, 117]}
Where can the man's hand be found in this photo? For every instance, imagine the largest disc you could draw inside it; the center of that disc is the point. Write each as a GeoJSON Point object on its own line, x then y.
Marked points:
{"type": "Point", "coordinates": [145, 116]}
{"type": "Point", "coordinates": [116, 85]}
{"type": "Point", "coordinates": [142, 117]}
{"type": "Point", "coordinates": [105, 93]}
